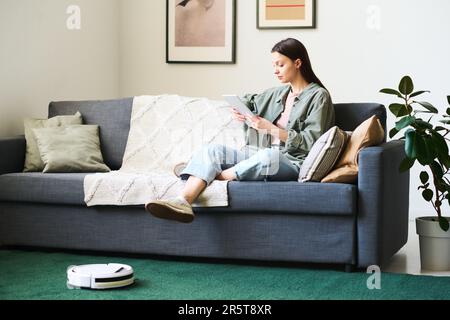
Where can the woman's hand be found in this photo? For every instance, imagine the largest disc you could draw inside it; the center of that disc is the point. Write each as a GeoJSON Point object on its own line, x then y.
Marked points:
{"type": "Point", "coordinates": [267, 127]}
{"type": "Point", "coordinates": [260, 124]}
{"type": "Point", "coordinates": [237, 115]}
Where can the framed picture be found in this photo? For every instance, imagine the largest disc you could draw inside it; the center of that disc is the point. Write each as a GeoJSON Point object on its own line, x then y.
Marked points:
{"type": "Point", "coordinates": [201, 31]}
{"type": "Point", "coordinates": [286, 14]}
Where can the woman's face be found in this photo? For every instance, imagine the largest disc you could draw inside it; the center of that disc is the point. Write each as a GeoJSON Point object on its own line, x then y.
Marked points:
{"type": "Point", "coordinates": [285, 69]}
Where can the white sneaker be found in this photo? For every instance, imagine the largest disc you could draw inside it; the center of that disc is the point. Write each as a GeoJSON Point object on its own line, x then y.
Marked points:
{"type": "Point", "coordinates": [177, 209]}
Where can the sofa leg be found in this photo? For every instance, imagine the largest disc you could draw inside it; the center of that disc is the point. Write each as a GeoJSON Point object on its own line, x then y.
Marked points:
{"type": "Point", "coordinates": [349, 267]}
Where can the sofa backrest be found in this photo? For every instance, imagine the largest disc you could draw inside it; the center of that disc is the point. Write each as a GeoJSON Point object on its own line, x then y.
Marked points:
{"type": "Point", "coordinates": [113, 117]}
{"type": "Point", "coordinates": [350, 115]}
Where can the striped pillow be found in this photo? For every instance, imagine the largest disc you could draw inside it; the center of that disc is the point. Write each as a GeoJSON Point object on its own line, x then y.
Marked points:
{"type": "Point", "coordinates": [323, 155]}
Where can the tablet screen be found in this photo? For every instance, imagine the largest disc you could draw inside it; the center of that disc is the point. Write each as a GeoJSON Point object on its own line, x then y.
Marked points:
{"type": "Point", "coordinates": [235, 102]}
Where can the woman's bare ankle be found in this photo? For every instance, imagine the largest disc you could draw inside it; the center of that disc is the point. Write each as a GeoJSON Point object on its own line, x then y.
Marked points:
{"type": "Point", "coordinates": [189, 199]}
{"type": "Point", "coordinates": [227, 175]}
{"type": "Point", "coordinates": [193, 188]}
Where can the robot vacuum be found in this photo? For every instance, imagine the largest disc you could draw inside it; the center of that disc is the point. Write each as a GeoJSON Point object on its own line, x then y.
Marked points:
{"type": "Point", "coordinates": [99, 276]}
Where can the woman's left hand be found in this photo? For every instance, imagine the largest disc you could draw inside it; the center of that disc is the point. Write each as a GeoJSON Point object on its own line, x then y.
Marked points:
{"type": "Point", "coordinates": [260, 124]}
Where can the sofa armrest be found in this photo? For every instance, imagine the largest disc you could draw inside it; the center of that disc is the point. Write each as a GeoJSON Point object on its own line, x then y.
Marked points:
{"type": "Point", "coordinates": [383, 203]}
{"type": "Point", "coordinates": [12, 154]}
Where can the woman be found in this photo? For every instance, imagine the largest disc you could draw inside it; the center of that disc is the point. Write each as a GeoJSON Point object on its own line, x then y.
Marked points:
{"type": "Point", "coordinates": [287, 122]}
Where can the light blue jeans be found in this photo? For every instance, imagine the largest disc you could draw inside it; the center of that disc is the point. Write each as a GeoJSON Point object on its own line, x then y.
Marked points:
{"type": "Point", "coordinates": [267, 164]}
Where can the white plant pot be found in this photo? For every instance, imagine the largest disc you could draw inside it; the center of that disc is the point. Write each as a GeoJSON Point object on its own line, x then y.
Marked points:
{"type": "Point", "coordinates": [434, 244]}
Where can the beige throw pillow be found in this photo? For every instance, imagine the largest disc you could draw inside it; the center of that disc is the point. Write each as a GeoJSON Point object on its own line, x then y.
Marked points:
{"type": "Point", "coordinates": [33, 161]}
{"type": "Point", "coordinates": [71, 149]}
{"type": "Point", "coordinates": [323, 155]}
{"type": "Point", "coordinates": [369, 133]}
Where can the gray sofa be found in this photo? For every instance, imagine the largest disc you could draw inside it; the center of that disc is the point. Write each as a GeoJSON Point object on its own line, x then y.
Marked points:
{"type": "Point", "coordinates": [353, 225]}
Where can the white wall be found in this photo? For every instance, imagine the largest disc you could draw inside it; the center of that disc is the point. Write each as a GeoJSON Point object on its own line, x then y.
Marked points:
{"type": "Point", "coordinates": [41, 60]}
{"type": "Point", "coordinates": [353, 59]}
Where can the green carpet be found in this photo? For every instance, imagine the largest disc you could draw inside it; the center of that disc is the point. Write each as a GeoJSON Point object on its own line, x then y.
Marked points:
{"type": "Point", "coordinates": [37, 275]}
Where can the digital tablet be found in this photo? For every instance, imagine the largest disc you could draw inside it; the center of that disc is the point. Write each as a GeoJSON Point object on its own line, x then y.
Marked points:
{"type": "Point", "coordinates": [237, 103]}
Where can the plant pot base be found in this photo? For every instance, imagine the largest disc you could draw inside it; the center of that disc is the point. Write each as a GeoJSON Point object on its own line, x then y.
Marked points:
{"type": "Point", "coordinates": [434, 253]}
{"type": "Point", "coordinates": [434, 245]}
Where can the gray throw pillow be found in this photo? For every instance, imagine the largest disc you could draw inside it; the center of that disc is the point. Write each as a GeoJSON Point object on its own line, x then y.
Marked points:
{"type": "Point", "coordinates": [323, 155]}
{"type": "Point", "coordinates": [33, 161]}
{"type": "Point", "coordinates": [71, 149]}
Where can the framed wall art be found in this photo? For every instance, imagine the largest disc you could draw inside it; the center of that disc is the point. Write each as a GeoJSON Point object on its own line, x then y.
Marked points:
{"type": "Point", "coordinates": [286, 14]}
{"type": "Point", "coordinates": [201, 31]}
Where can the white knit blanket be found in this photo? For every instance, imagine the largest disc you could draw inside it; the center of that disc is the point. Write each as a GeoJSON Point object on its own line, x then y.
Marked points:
{"type": "Point", "coordinates": [165, 130]}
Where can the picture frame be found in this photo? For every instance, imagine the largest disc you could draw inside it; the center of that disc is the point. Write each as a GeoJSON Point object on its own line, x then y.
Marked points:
{"type": "Point", "coordinates": [286, 14]}
{"type": "Point", "coordinates": [201, 31]}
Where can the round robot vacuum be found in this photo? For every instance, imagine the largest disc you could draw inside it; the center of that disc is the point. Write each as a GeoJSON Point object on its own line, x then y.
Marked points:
{"type": "Point", "coordinates": [99, 276]}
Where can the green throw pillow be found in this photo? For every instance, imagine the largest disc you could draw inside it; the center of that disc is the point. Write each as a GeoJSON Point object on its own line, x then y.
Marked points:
{"type": "Point", "coordinates": [33, 160]}
{"type": "Point", "coordinates": [71, 149]}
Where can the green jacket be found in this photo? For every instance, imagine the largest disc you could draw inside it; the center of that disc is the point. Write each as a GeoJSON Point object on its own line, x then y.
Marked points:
{"type": "Point", "coordinates": [311, 116]}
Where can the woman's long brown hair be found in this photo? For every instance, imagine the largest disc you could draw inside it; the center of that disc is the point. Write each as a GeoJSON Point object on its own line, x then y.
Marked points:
{"type": "Point", "coordinates": [294, 49]}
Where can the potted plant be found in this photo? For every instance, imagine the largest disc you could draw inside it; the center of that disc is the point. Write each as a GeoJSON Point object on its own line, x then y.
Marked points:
{"type": "Point", "coordinates": [426, 144]}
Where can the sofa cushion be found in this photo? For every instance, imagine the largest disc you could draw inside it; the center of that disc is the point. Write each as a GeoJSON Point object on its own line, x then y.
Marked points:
{"type": "Point", "coordinates": [285, 196]}
{"type": "Point", "coordinates": [84, 154]}
{"type": "Point", "coordinates": [350, 115]}
{"type": "Point", "coordinates": [369, 133]}
{"type": "Point", "coordinates": [33, 160]}
{"type": "Point", "coordinates": [290, 197]}
{"type": "Point", "coordinates": [323, 155]}
{"type": "Point", "coordinates": [55, 188]}
{"type": "Point", "coordinates": [113, 118]}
